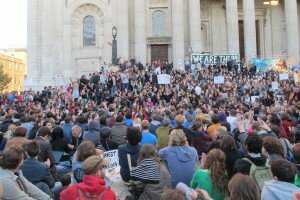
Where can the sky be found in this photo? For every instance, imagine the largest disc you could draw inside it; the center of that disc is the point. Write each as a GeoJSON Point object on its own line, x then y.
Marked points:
{"type": "Point", "coordinates": [13, 23]}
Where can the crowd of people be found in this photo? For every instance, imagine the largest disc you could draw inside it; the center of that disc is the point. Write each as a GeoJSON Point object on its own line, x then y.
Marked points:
{"type": "Point", "coordinates": [190, 139]}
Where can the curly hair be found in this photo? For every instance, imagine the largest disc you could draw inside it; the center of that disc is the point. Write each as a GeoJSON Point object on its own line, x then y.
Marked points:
{"type": "Point", "coordinates": [216, 164]}
{"type": "Point", "coordinates": [177, 138]}
{"type": "Point", "coordinates": [273, 145]}
{"type": "Point", "coordinates": [134, 136]}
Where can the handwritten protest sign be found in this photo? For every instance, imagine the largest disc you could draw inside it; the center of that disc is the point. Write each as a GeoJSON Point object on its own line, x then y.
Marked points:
{"type": "Point", "coordinates": [163, 79]}
{"type": "Point", "coordinates": [219, 80]}
{"type": "Point", "coordinates": [284, 76]}
{"type": "Point", "coordinates": [113, 168]}
{"type": "Point", "coordinates": [275, 85]}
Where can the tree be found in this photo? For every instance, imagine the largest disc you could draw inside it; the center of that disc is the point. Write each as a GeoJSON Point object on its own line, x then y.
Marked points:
{"type": "Point", "coordinates": [4, 79]}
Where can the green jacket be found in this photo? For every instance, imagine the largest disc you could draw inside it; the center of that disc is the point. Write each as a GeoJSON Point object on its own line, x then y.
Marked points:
{"type": "Point", "coordinates": [201, 180]}
{"type": "Point", "coordinates": [162, 135]}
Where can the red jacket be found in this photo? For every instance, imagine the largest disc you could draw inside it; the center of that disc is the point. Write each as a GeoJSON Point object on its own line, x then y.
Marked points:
{"type": "Point", "coordinates": [91, 185]}
{"type": "Point", "coordinates": [287, 125]}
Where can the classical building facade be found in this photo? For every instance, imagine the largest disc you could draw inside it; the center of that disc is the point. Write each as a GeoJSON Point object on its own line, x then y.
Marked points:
{"type": "Point", "coordinates": [67, 38]}
{"type": "Point", "coordinates": [15, 68]}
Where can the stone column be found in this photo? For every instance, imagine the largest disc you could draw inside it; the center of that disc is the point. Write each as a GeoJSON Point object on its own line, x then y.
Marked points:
{"type": "Point", "coordinates": [177, 33]}
{"type": "Point", "coordinates": [47, 42]}
{"type": "Point", "coordinates": [249, 29]}
{"type": "Point", "coordinates": [292, 31]}
{"type": "Point", "coordinates": [232, 27]}
{"type": "Point", "coordinates": [195, 25]}
{"type": "Point", "coordinates": [123, 29]}
{"type": "Point", "coordinates": [140, 30]}
{"type": "Point", "coordinates": [32, 41]}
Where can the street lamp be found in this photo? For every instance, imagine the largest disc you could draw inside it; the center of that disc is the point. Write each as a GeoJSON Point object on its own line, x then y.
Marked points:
{"type": "Point", "coordinates": [114, 58]}
{"type": "Point", "coordinates": [270, 4]}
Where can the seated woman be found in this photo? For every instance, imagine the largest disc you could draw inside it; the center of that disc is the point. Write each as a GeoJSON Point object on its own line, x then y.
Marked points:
{"type": "Point", "coordinates": [243, 187]}
{"type": "Point", "coordinates": [213, 177]}
{"type": "Point", "coordinates": [200, 140]}
{"type": "Point", "coordinates": [129, 152]}
{"type": "Point", "coordinates": [229, 147]}
{"type": "Point", "coordinates": [178, 156]}
{"type": "Point", "coordinates": [150, 177]}
{"type": "Point", "coordinates": [60, 150]}
{"type": "Point", "coordinates": [86, 149]}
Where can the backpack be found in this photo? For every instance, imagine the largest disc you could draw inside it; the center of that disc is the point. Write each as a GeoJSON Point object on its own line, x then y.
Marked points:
{"type": "Point", "coordinates": [260, 174]}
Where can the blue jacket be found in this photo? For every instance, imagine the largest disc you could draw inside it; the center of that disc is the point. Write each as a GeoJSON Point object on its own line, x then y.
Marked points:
{"type": "Point", "coordinates": [67, 129]}
{"type": "Point", "coordinates": [278, 190]}
{"type": "Point", "coordinates": [128, 122]}
{"type": "Point", "coordinates": [36, 171]}
{"type": "Point", "coordinates": [178, 158]}
{"type": "Point", "coordinates": [134, 152]}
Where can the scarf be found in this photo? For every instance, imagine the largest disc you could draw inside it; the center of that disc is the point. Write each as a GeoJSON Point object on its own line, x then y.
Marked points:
{"type": "Point", "coordinates": [146, 172]}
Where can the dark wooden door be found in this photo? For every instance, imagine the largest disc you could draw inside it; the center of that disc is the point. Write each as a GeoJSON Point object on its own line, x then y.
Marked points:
{"type": "Point", "coordinates": [241, 38]}
{"type": "Point", "coordinates": [159, 52]}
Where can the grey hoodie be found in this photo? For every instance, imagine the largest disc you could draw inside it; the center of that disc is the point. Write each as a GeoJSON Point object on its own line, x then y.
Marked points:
{"type": "Point", "coordinates": [278, 190]}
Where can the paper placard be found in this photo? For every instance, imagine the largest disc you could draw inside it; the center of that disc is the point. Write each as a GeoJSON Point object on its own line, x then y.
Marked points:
{"type": "Point", "coordinates": [284, 76]}
{"type": "Point", "coordinates": [253, 98]}
{"type": "Point", "coordinates": [113, 168]}
{"type": "Point", "coordinates": [219, 80]}
{"type": "Point", "coordinates": [275, 85]}
{"type": "Point", "coordinates": [163, 79]}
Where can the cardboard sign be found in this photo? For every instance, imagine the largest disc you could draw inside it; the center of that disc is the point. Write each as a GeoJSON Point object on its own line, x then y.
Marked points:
{"type": "Point", "coordinates": [275, 85]}
{"type": "Point", "coordinates": [163, 79]}
{"type": "Point", "coordinates": [113, 168]}
{"type": "Point", "coordinates": [219, 80]}
{"type": "Point", "coordinates": [284, 76]}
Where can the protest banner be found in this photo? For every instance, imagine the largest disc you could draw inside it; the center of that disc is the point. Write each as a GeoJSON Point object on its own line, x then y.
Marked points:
{"type": "Point", "coordinates": [219, 80]}
{"type": "Point", "coordinates": [163, 79]}
{"type": "Point", "coordinates": [113, 168]}
{"type": "Point", "coordinates": [207, 59]}
{"type": "Point", "coordinates": [283, 76]}
{"type": "Point", "coordinates": [275, 85]}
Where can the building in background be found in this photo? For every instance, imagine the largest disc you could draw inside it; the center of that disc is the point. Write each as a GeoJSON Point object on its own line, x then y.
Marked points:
{"type": "Point", "coordinates": [15, 68]}
{"type": "Point", "coordinates": [72, 37]}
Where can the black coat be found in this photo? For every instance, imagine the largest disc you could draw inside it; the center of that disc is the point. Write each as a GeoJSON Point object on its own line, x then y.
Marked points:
{"type": "Point", "coordinates": [231, 157]}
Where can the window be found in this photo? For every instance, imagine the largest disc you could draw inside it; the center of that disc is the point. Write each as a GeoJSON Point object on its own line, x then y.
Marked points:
{"type": "Point", "coordinates": [204, 38]}
{"type": "Point", "coordinates": [89, 29]}
{"type": "Point", "coordinates": [159, 23]}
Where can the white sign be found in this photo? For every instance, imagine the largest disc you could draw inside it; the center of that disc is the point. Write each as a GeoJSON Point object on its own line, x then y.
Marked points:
{"type": "Point", "coordinates": [157, 70]}
{"type": "Point", "coordinates": [284, 76]}
{"type": "Point", "coordinates": [113, 168]}
{"type": "Point", "coordinates": [253, 98]}
{"type": "Point", "coordinates": [296, 78]}
{"type": "Point", "coordinates": [275, 85]}
{"type": "Point", "coordinates": [219, 80]}
{"type": "Point", "coordinates": [163, 79]}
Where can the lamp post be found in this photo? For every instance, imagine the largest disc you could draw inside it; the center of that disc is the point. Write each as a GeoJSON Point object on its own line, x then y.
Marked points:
{"type": "Point", "coordinates": [114, 58]}
{"type": "Point", "coordinates": [270, 4]}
